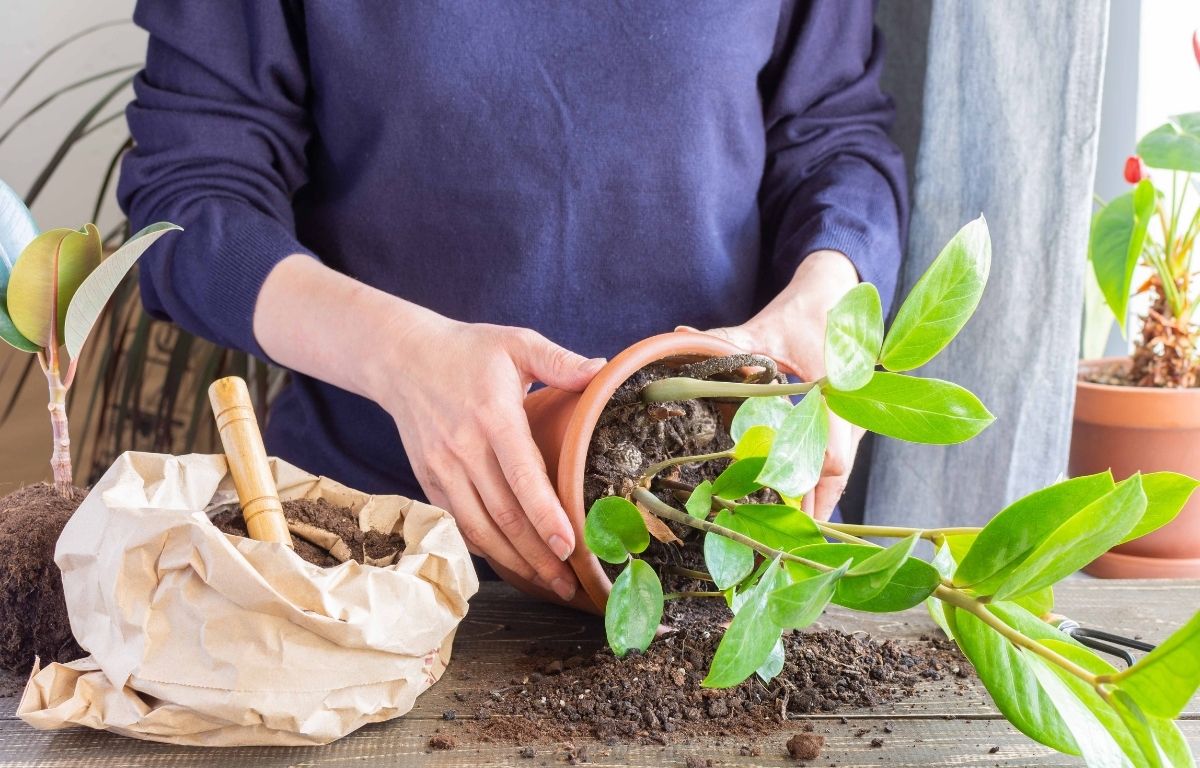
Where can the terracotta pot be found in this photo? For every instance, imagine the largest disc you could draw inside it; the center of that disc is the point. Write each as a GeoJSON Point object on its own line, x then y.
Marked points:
{"type": "Point", "coordinates": [1147, 429]}
{"type": "Point", "coordinates": [562, 425]}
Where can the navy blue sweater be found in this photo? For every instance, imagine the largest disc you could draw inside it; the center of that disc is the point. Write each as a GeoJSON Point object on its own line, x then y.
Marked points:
{"type": "Point", "coordinates": [599, 171]}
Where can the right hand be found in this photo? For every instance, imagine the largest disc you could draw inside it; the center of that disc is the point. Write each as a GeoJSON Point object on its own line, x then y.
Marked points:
{"type": "Point", "coordinates": [457, 397]}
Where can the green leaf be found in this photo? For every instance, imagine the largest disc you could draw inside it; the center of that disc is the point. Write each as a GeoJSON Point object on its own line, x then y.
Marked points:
{"type": "Point", "coordinates": [914, 582]}
{"type": "Point", "coordinates": [98, 287]}
{"type": "Point", "coordinates": [801, 603]}
{"type": "Point", "coordinates": [1174, 146]}
{"type": "Point", "coordinates": [1158, 739]}
{"type": "Point", "coordinates": [1079, 540]}
{"type": "Point", "coordinates": [1012, 534]}
{"type": "Point", "coordinates": [728, 561]}
{"type": "Point", "coordinates": [777, 525]}
{"type": "Point", "coordinates": [942, 301]}
{"type": "Point", "coordinates": [699, 503]}
{"type": "Point", "coordinates": [1117, 238]}
{"type": "Point", "coordinates": [853, 338]}
{"type": "Point", "coordinates": [747, 643]}
{"type": "Point", "coordinates": [1010, 680]}
{"type": "Point", "coordinates": [756, 411]}
{"type": "Point", "coordinates": [774, 663]}
{"type": "Point", "coordinates": [45, 278]}
{"type": "Point", "coordinates": [1166, 493]}
{"type": "Point", "coordinates": [1164, 680]}
{"type": "Point", "coordinates": [1097, 744]}
{"type": "Point", "coordinates": [17, 229]}
{"type": "Point", "coordinates": [867, 578]}
{"type": "Point", "coordinates": [794, 464]}
{"type": "Point", "coordinates": [1040, 602]}
{"type": "Point", "coordinates": [634, 609]}
{"type": "Point", "coordinates": [913, 409]}
{"type": "Point", "coordinates": [614, 528]}
{"type": "Point", "coordinates": [755, 442]}
{"type": "Point", "coordinates": [738, 479]}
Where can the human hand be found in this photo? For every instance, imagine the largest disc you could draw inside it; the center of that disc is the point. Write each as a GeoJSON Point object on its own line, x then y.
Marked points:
{"type": "Point", "coordinates": [791, 330]}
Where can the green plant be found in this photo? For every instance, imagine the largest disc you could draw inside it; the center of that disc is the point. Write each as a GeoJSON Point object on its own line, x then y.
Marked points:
{"type": "Point", "coordinates": [53, 287]}
{"type": "Point", "coordinates": [986, 587]}
{"type": "Point", "coordinates": [1124, 237]}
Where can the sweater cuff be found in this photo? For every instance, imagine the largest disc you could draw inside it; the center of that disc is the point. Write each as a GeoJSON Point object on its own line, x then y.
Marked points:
{"type": "Point", "coordinates": [247, 253]}
{"type": "Point", "coordinates": [876, 258]}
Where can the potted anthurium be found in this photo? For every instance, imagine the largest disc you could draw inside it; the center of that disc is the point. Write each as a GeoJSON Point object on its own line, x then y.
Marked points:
{"type": "Point", "coordinates": [1142, 413]}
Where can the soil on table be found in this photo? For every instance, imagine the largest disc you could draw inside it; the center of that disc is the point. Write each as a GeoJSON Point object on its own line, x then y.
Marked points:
{"type": "Point", "coordinates": [33, 612]}
{"type": "Point", "coordinates": [319, 513]}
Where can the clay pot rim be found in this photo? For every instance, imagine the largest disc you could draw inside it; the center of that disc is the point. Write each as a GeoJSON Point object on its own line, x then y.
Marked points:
{"type": "Point", "coordinates": [1127, 390]}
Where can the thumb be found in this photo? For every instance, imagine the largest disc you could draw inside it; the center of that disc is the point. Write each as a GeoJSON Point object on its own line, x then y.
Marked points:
{"type": "Point", "coordinates": [736, 336]}
{"type": "Point", "coordinates": [555, 366]}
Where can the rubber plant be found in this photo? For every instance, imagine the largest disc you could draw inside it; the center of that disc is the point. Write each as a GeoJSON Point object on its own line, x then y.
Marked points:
{"type": "Point", "coordinates": [53, 287]}
{"type": "Point", "coordinates": [1147, 227]}
{"type": "Point", "coordinates": [988, 588]}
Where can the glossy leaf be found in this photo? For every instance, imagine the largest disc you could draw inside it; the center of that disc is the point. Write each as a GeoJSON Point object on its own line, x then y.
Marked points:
{"type": "Point", "coordinates": [777, 525]}
{"type": "Point", "coordinates": [747, 643]}
{"type": "Point", "coordinates": [914, 409]}
{"type": "Point", "coordinates": [914, 582]}
{"type": "Point", "coordinates": [942, 301]}
{"type": "Point", "coordinates": [801, 603]}
{"type": "Point", "coordinates": [738, 479]}
{"type": "Point", "coordinates": [1164, 680]}
{"type": "Point", "coordinates": [774, 663]}
{"type": "Point", "coordinates": [699, 503]}
{"type": "Point", "coordinates": [634, 610]}
{"type": "Point", "coordinates": [1166, 493]}
{"type": "Point", "coordinates": [756, 411]}
{"type": "Point", "coordinates": [756, 442]}
{"type": "Point", "coordinates": [1158, 739]}
{"type": "Point", "coordinates": [853, 338]}
{"type": "Point", "coordinates": [1097, 744]}
{"type": "Point", "coordinates": [91, 297]}
{"type": "Point", "coordinates": [45, 278]}
{"type": "Point", "coordinates": [1012, 534]}
{"type": "Point", "coordinates": [17, 229]}
{"type": "Point", "coordinates": [868, 577]}
{"type": "Point", "coordinates": [614, 528]}
{"type": "Point", "coordinates": [793, 466]}
{"type": "Point", "coordinates": [1175, 145]}
{"type": "Point", "coordinates": [1079, 540]}
{"type": "Point", "coordinates": [728, 561]}
{"type": "Point", "coordinates": [1117, 239]}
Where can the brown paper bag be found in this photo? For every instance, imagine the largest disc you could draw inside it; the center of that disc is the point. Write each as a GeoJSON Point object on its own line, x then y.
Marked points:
{"type": "Point", "coordinates": [198, 637]}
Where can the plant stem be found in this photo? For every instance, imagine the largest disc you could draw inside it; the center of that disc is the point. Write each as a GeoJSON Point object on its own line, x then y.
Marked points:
{"type": "Point", "coordinates": [688, 594]}
{"type": "Point", "coordinates": [898, 532]}
{"type": "Point", "coordinates": [60, 456]}
{"type": "Point", "coordinates": [830, 530]}
{"type": "Point", "coordinates": [689, 573]}
{"type": "Point", "coordinates": [654, 469]}
{"type": "Point", "coordinates": [681, 388]}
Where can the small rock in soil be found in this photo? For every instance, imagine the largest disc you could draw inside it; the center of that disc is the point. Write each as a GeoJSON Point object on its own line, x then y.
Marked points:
{"type": "Point", "coordinates": [876, 742]}
{"type": "Point", "coordinates": [450, 714]}
{"type": "Point", "coordinates": [441, 741]}
{"type": "Point", "coordinates": [805, 746]}
{"type": "Point", "coordinates": [993, 750]}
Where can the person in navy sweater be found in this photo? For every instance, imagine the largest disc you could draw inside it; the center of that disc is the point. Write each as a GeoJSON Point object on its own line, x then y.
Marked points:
{"type": "Point", "coordinates": [423, 207]}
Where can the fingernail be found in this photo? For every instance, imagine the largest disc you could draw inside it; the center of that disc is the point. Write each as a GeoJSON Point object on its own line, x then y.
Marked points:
{"type": "Point", "coordinates": [559, 546]}
{"type": "Point", "coordinates": [594, 365]}
{"type": "Point", "coordinates": [563, 589]}
{"type": "Point", "coordinates": [687, 328]}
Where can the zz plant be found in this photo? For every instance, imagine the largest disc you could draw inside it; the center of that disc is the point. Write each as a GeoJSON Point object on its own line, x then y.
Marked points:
{"type": "Point", "coordinates": [53, 287]}
{"type": "Point", "coordinates": [988, 588]}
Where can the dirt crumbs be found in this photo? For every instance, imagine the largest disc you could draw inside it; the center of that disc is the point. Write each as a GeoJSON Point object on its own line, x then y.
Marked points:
{"type": "Point", "coordinates": [805, 746]}
{"type": "Point", "coordinates": [653, 696]}
{"type": "Point", "coordinates": [441, 741]}
{"type": "Point", "coordinates": [319, 513]}
{"type": "Point", "coordinates": [33, 612]}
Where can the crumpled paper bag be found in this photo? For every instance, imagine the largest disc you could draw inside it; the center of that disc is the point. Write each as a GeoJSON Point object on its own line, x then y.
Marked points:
{"type": "Point", "coordinates": [198, 637]}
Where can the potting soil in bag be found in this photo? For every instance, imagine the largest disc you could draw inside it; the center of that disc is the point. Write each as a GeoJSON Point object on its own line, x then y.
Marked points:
{"type": "Point", "coordinates": [202, 637]}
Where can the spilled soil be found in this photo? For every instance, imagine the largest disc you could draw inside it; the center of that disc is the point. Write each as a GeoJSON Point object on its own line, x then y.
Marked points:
{"type": "Point", "coordinates": [319, 513]}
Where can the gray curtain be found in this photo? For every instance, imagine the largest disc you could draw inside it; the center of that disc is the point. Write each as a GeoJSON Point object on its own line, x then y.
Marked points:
{"type": "Point", "coordinates": [1001, 101]}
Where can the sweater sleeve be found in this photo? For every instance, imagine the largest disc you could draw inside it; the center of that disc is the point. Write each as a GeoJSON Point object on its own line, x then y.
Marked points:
{"type": "Point", "coordinates": [220, 126]}
{"type": "Point", "coordinates": [833, 178]}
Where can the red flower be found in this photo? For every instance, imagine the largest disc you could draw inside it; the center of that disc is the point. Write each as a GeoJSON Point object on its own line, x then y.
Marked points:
{"type": "Point", "coordinates": [1135, 169]}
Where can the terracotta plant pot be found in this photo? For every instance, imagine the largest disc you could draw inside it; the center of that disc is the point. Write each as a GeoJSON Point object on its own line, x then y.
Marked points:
{"type": "Point", "coordinates": [1147, 429]}
{"type": "Point", "coordinates": [562, 425]}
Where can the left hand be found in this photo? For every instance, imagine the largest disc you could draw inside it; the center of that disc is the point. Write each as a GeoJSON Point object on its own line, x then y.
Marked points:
{"type": "Point", "coordinates": [791, 329]}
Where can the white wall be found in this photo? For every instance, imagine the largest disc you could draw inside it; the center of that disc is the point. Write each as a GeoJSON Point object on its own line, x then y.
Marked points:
{"type": "Point", "coordinates": [28, 28]}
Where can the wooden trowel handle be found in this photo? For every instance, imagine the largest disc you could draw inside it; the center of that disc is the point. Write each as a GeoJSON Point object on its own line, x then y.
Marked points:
{"type": "Point", "coordinates": [247, 459]}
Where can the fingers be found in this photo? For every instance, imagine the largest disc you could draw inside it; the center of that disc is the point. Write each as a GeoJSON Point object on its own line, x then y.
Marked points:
{"type": "Point", "coordinates": [835, 473]}
{"type": "Point", "coordinates": [554, 366]}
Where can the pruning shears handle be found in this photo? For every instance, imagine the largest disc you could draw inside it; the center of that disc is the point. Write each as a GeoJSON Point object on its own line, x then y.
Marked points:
{"type": "Point", "coordinates": [1099, 640]}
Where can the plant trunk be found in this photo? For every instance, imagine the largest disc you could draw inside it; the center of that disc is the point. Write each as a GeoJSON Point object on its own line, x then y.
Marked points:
{"type": "Point", "coordinates": [1165, 355]}
{"type": "Point", "coordinates": [60, 456]}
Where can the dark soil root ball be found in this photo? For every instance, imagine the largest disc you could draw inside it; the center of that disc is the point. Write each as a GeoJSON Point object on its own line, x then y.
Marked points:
{"type": "Point", "coordinates": [33, 612]}
{"type": "Point", "coordinates": [805, 746]}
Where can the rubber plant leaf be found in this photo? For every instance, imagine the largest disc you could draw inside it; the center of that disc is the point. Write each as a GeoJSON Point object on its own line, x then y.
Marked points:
{"type": "Point", "coordinates": [45, 279]}
{"type": "Point", "coordinates": [1175, 145]}
{"type": "Point", "coordinates": [759, 411]}
{"type": "Point", "coordinates": [942, 301]}
{"type": "Point", "coordinates": [793, 465]}
{"type": "Point", "coordinates": [853, 338]}
{"type": "Point", "coordinates": [747, 643]}
{"type": "Point", "coordinates": [912, 583]}
{"type": "Point", "coordinates": [1165, 679]}
{"type": "Point", "coordinates": [17, 230]}
{"type": "Point", "coordinates": [867, 578]}
{"type": "Point", "coordinates": [913, 409]}
{"type": "Point", "coordinates": [97, 288]}
{"type": "Point", "coordinates": [614, 528]}
{"type": "Point", "coordinates": [634, 608]}
{"type": "Point", "coordinates": [1116, 243]}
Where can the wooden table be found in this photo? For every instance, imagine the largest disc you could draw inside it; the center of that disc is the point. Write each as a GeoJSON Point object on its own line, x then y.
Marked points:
{"type": "Point", "coordinates": [934, 728]}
